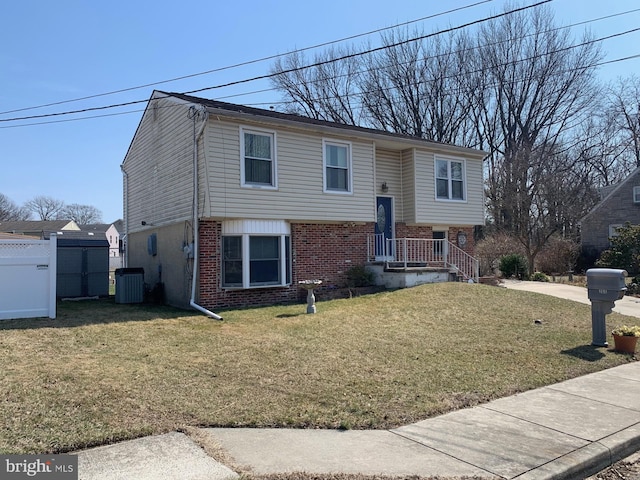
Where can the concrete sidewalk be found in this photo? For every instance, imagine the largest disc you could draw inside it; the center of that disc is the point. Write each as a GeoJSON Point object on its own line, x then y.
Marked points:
{"type": "Point", "coordinates": [567, 430]}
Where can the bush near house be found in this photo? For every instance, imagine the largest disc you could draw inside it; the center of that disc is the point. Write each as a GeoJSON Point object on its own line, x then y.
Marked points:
{"type": "Point", "coordinates": [514, 265]}
{"type": "Point", "coordinates": [492, 248]}
{"type": "Point", "coordinates": [625, 250]}
{"type": "Point", "coordinates": [558, 256]}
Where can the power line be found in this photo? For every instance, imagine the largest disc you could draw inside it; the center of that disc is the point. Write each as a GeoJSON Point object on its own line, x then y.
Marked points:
{"type": "Point", "coordinates": [316, 64]}
{"type": "Point", "coordinates": [617, 60]}
{"type": "Point", "coordinates": [452, 52]}
{"type": "Point", "coordinates": [249, 62]}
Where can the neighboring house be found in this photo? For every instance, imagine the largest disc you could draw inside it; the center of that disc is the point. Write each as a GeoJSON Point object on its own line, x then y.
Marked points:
{"type": "Point", "coordinates": [619, 204]}
{"type": "Point", "coordinates": [111, 233]}
{"type": "Point", "coordinates": [282, 198]}
{"type": "Point", "coordinates": [38, 228]}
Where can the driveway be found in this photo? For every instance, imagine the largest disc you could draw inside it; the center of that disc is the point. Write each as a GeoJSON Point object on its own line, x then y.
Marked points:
{"type": "Point", "coordinates": [626, 306]}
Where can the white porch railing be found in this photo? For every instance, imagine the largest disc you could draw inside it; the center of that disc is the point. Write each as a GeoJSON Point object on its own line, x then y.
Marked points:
{"type": "Point", "coordinates": [422, 251]}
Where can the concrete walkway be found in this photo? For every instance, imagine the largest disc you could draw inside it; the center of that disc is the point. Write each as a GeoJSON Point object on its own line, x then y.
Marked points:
{"type": "Point", "coordinates": [626, 306]}
{"type": "Point", "coordinates": [567, 430]}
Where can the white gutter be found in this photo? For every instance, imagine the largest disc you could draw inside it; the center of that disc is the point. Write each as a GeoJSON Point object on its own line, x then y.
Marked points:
{"type": "Point", "coordinates": [125, 238]}
{"type": "Point", "coordinates": [193, 111]}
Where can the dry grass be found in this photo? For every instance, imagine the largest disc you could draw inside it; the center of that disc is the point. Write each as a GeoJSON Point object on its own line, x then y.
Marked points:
{"type": "Point", "coordinates": [104, 372]}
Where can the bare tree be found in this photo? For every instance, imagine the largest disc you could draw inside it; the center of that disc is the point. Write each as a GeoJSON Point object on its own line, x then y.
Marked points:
{"type": "Point", "coordinates": [417, 88]}
{"type": "Point", "coordinates": [625, 113]}
{"type": "Point", "coordinates": [328, 91]}
{"type": "Point", "coordinates": [10, 211]}
{"type": "Point", "coordinates": [45, 208]}
{"type": "Point", "coordinates": [81, 214]}
{"type": "Point", "coordinates": [538, 84]}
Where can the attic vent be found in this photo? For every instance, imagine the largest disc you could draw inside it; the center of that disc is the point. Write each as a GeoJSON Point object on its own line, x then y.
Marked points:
{"type": "Point", "coordinates": [636, 194]}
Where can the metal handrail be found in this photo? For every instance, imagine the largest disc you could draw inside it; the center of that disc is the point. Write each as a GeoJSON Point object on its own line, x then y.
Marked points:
{"type": "Point", "coordinates": [423, 251]}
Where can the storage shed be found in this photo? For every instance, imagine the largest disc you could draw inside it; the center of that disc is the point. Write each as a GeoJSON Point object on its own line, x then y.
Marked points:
{"type": "Point", "coordinates": [83, 264]}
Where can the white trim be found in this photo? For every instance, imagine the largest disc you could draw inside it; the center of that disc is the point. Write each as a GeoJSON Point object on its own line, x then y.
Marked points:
{"type": "Point", "coordinates": [254, 228]}
{"type": "Point", "coordinates": [274, 158]}
{"type": "Point", "coordinates": [349, 147]}
{"type": "Point", "coordinates": [449, 159]}
{"type": "Point", "coordinates": [636, 194]}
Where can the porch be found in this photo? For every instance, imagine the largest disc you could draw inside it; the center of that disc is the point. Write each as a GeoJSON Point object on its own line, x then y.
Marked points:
{"type": "Point", "coordinates": [419, 260]}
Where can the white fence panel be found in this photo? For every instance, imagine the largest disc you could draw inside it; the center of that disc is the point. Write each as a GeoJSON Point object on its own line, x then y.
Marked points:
{"type": "Point", "coordinates": [28, 278]}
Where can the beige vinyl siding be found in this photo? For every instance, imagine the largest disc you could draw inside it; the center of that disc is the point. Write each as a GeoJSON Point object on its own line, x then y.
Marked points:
{"type": "Point", "coordinates": [299, 196]}
{"type": "Point", "coordinates": [432, 211]}
{"type": "Point", "coordinates": [159, 167]}
{"type": "Point", "coordinates": [389, 170]}
{"type": "Point", "coordinates": [408, 187]}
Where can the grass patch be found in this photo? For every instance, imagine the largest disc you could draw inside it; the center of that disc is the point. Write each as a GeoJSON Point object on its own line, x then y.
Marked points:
{"type": "Point", "coordinates": [103, 372]}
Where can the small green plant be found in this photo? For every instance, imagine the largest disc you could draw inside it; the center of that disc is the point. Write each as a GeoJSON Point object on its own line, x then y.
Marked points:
{"type": "Point", "coordinates": [539, 277]}
{"type": "Point", "coordinates": [513, 265]}
{"type": "Point", "coordinates": [627, 331]}
{"type": "Point", "coordinates": [359, 276]}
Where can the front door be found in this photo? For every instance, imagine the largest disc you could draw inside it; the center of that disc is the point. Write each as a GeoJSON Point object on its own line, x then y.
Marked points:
{"type": "Point", "coordinates": [384, 229]}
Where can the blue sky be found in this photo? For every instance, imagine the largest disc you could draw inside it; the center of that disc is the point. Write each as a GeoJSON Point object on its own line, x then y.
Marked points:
{"type": "Point", "coordinates": [56, 51]}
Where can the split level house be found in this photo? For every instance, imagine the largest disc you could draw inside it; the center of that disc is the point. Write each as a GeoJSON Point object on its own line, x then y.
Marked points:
{"type": "Point", "coordinates": [228, 205]}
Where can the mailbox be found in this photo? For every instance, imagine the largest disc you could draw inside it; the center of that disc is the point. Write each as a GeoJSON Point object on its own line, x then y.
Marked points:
{"type": "Point", "coordinates": [605, 286]}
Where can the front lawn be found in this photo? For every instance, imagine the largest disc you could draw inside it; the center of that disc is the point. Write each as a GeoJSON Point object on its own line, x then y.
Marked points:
{"type": "Point", "coordinates": [103, 372]}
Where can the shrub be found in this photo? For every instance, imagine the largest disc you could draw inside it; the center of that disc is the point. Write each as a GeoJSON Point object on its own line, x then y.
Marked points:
{"type": "Point", "coordinates": [539, 277]}
{"type": "Point", "coordinates": [559, 255]}
{"type": "Point", "coordinates": [625, 250]}
{"type": "Point", "coordinates": [359, 276]}
{"type": "Point", "coordinates": [492, 248]}
{"type": "Point", "coordinates": [513, 265]}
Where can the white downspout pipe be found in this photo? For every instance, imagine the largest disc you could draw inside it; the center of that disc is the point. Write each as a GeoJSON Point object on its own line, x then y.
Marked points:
{"type": "Point", "coordinates": [125, 238]}
{"type": "Point", "coordinates": [196, 262]}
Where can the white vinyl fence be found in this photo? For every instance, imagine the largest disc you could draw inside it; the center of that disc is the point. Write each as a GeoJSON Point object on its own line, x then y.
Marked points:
{"type": "Point", "coordinates": [28, 278]}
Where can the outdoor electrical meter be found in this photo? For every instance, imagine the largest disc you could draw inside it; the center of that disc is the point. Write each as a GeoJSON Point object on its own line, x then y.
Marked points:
{"type": "Point", "coordinates": [605, 286]}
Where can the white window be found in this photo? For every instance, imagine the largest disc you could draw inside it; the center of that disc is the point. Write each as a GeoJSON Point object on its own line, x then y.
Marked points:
{"type": "Point", "coordinates": [636, 194]}
{"type": "Point", "coordinates": [255, 254]}
{"type": "Point", "coordinates": [613, 229]}
{"type": "Point", "coordinates": [450, 179]}
{"type": "Point", "coordinates": [336, 161]}
{"type": "Point", "coordinates": [258, 158]}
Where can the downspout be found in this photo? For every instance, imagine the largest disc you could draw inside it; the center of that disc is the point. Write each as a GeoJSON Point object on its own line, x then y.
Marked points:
{"type": "Point", "coordinates": [125, 238]}
{"type": "Point", "coordinates": [193, 112]}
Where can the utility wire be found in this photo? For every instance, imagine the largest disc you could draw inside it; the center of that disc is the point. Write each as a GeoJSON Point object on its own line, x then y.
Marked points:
{"type": "Point", "coordinates": [617, 60]}
{"type": "Point", "coordinates": [432, 57]}
{"type": "Point", "coordinates": [316, 64]}
{"type": "Point", "coordinates": [249, 62]}
{"type": "Point", "coordinates": [508, 63]}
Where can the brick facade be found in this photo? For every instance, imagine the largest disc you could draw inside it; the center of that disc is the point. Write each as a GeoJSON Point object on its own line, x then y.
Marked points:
{"type": "Point", "coordinates": [424, 231]}
{"type": "Point", "coordinates": [318, 251]}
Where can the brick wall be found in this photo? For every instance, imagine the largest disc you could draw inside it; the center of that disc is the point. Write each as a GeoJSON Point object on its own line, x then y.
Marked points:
{"type": "Point", "coordinates": [318, 251]}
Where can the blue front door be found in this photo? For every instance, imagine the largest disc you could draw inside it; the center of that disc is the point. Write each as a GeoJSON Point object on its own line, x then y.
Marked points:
{"type": "Point", "coordinates": [384, 228]}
